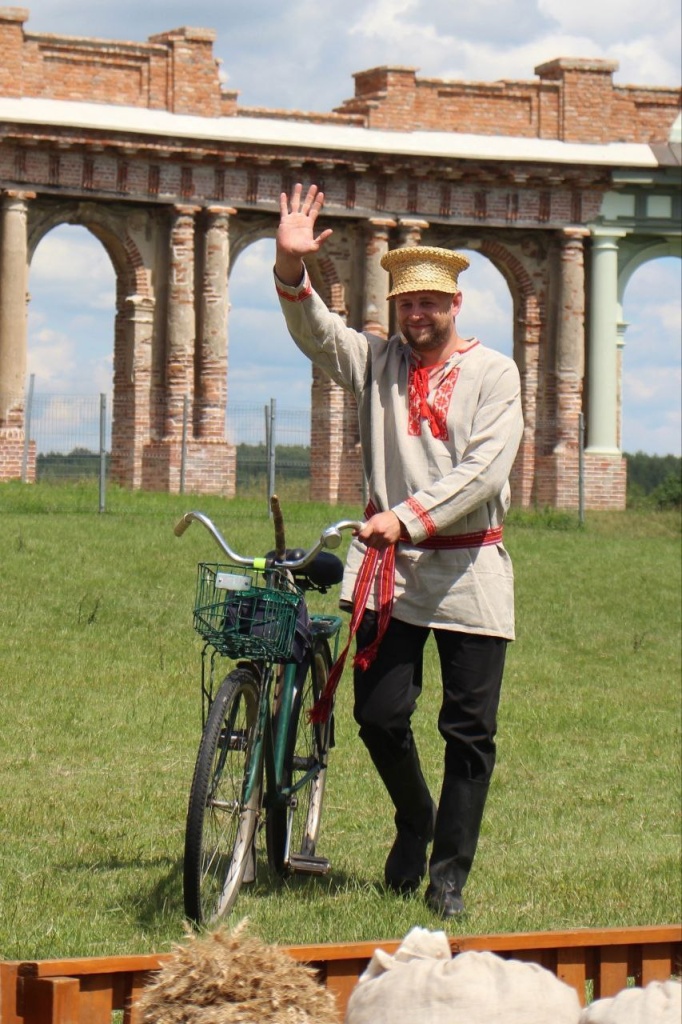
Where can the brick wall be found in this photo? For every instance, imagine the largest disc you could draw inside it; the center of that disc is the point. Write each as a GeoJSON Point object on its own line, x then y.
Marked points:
{"type": "Point", "coordinates": [561, 105]}
{"type": "Point", "coordinates": [173, 71]}
{"type": "Point", "coordinates": [177, 71]}
{"type": "Point", "coordinates": [12, 455]}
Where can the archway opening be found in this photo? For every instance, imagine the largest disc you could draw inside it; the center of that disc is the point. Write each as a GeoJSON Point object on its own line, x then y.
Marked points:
{"type": "Point", "coordinates": [268, 380]}
{"type": "Point", "coordinates": [72, 287]}
{"type": "Point", "coordinates": [487, 308]}
{"type": "Point", "coordinates": [651, 373]}
{"type": "Point", "coordinates": [263, 362]}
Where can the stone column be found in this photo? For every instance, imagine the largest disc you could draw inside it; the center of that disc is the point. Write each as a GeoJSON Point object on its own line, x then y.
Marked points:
{"type": "Point", "coordinates": [603, 341]}
{"type": "Point", "coordinates": [13, 296]}
{"type": "Point", "coordinates": [527, 333]}
{"type": "Point", "coordinates": [375, 314]}
{"type": "Point", "coordinates": [131, 422]}
{"type": "Point", "coordinates": [570, 338]}
{"type": "Point", "coordinates": [410, 231]}
{"type": "Point", "coordinates": [327, 437]}
{"type": "Point", "coordinates": [621, 328]}
{"type": "Point", "coordinates": [181, 320]}
{"type": "Point", "coordinates": [211, 383]}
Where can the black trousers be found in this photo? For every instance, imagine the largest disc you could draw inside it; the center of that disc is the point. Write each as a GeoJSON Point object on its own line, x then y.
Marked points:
{"type": "Point", "coordinates": [471, 671]}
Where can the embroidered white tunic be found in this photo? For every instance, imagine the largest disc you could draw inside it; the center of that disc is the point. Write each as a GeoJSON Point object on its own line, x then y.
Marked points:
{"type": "Point", "coordinates": [438, 486]}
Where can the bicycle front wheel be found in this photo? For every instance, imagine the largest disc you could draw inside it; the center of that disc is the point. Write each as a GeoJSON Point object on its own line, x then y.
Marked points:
{"type": "Point", "coordinates": [224, 801]}
{"type": "Point", "coordinates": [292, 828]}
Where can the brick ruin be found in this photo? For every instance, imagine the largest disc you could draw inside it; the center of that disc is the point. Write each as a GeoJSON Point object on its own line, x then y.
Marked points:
{"type": "Point", "coordinates": [138, 142]}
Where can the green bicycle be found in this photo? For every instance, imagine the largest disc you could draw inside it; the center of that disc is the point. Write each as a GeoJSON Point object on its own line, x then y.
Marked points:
{"type": "Point", "coordinates": [261, 760]}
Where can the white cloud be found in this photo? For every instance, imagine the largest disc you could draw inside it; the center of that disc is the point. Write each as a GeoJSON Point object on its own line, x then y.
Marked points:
{"type": "Point", "coordinates": [52, 356]}
{"type": "Point", "coordinates": [70, 263]}
{"type": "Point", "coordinates": [621, 19]}
{"type": "Point", "coordinates": [652, 385]}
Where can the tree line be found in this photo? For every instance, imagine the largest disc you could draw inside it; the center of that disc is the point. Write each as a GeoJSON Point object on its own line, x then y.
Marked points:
{"type": "Point", "coordinates": [654, 480]}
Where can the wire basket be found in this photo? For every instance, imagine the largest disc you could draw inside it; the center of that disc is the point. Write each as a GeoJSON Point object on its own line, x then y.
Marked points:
{"type": "Point", "coordinates": [246, 613]}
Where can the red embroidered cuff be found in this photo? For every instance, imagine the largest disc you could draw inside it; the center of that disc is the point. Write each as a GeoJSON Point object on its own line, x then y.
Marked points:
{"type": "Point", "coordinates": [422, 515]}
{"type": "Point", "coordinates": [303, 290]}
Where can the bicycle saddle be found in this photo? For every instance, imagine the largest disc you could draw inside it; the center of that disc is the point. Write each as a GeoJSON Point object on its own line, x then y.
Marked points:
{"type": "Point", "coordinates": [324, 571]}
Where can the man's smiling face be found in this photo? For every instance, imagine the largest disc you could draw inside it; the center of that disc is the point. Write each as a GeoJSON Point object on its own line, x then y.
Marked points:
{"type": "Point", "coordinates": [427, 319]}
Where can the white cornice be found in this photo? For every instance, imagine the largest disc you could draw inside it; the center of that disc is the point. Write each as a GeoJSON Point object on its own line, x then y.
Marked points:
{"type": "Point", "coordinates": [345, 138]}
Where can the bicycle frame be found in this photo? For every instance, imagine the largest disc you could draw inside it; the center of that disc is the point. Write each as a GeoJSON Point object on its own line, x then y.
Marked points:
{"type": "Point", "coordinates": [269, 744]}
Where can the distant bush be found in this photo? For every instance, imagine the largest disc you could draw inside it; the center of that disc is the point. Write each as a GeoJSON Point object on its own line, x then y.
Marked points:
{"type": "Point", "coordinates": [547, 518]}
{"type": "Point", "coordinates": [78, 463]}
{"type": "Point", "coordinates": [669, 493]}
{"type": "Point", "coordinates": [654, 480]}
{"type": "Point", "coordinates": [292, 461]}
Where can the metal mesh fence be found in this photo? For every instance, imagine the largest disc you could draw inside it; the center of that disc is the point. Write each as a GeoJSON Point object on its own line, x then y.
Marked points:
{"type": "Point", "coordinates": [72, 434]}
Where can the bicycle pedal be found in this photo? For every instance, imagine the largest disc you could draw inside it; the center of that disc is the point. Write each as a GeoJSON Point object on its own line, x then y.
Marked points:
{"type": "Point", "coordinates": [303, 865]}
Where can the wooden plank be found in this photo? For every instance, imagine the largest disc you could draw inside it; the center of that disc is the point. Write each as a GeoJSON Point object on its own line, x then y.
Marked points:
{"type": "Point", "coordinates": [97, 999]}
{"type": "Point", "coordinates": [342, 976]}
{"type": "Point", "coordinates": [612, 975]}
{"type": "Point", "coordinates": [51, 1001]}
{"type": "Point", "coordinates": [657, 962]}
{"type": "Point", "coordinates": [9, 986]}
{"type": "Point", "coordinates": [135, 984]}
{"type": "Point", "coordinates": [571, 968]}
{"type": "Point", "coordinates": [92, 965]}
{"type": "Point", "coordinates": [328, 952]}
{"type": "Point", "coordinates": [572, 937]}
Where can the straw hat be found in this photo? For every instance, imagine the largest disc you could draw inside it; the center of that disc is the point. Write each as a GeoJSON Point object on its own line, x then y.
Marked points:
{"type": "Point", "coordinates": [423, 268]}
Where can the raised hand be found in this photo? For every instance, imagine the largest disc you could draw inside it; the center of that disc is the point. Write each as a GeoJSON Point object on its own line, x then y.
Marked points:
{"type": "Point", "coordinates": [296, 236]}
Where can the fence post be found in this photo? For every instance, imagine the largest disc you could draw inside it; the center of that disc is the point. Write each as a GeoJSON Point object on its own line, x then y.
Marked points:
{"type": "Point", "coordinates": [581, 469]}
{"type": "Point", "coordinates": [27, 428]}
{"type": "Point", "coordinates": [270, 448]}
{"type": "Point", "coordinates": [102, 451]}
{"type": "Point", "coordinates": [183, 447]}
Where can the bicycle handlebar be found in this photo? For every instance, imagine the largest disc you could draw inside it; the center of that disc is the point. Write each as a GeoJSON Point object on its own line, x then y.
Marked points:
{"type": "Point", "coordinates": [329, 538]}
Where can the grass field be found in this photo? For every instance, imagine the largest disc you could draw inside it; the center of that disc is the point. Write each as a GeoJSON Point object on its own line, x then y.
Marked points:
{"type": "Point", "coordinates": [100, 714]}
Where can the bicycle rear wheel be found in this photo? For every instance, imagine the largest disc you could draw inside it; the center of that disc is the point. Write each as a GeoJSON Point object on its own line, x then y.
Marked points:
{"type": "Point", "coordinates": [293, 828]}
{"type": "Point", "coordinates": [223, 811]}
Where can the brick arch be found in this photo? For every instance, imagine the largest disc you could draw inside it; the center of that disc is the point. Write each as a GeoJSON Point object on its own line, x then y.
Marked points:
{"type": "Point", "coordinates": [512, 269]}
{"type": "Point", "coordinates": [126, 259]}
{"type": "Point", "coordinates": [322, 269]}
{"type": "Point", "coordinates": [245, 233]}
{"type": "Point", "coordinates": [327, 282]}
{"type": "Point", "coordinates": [527, 289]}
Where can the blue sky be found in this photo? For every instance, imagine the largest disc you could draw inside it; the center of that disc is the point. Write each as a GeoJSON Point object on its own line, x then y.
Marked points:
{"type": "Point", "coordinates": [302, 55]}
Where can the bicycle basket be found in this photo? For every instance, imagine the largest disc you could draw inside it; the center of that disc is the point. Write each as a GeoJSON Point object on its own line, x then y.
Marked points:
{"type": "Point", "coordinates": [246, 613]}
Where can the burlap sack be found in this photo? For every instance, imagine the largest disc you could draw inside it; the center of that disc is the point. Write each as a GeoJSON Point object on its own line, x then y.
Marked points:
{"type": "Point", "coordinates": [658, 1003]}
{"type": "Point", "coordinates": [423, 984]}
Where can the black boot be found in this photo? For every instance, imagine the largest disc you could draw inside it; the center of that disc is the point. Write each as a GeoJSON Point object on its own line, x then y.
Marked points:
{"type": "Point", "coordinates": [415, 814]}
{"type": "Point", "coordinates": [458, 825]}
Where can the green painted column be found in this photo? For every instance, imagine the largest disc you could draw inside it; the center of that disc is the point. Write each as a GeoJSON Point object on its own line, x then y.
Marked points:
{"type": "Point", "coordinates": [602, 422]}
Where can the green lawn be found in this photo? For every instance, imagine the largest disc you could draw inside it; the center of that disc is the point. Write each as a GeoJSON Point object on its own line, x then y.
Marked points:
{"type": "Point", "coordinates": [101, 714]}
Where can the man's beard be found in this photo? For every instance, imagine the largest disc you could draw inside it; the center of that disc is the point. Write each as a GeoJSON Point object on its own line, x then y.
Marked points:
{"type": "Point", "coordinates": [438, 337]}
